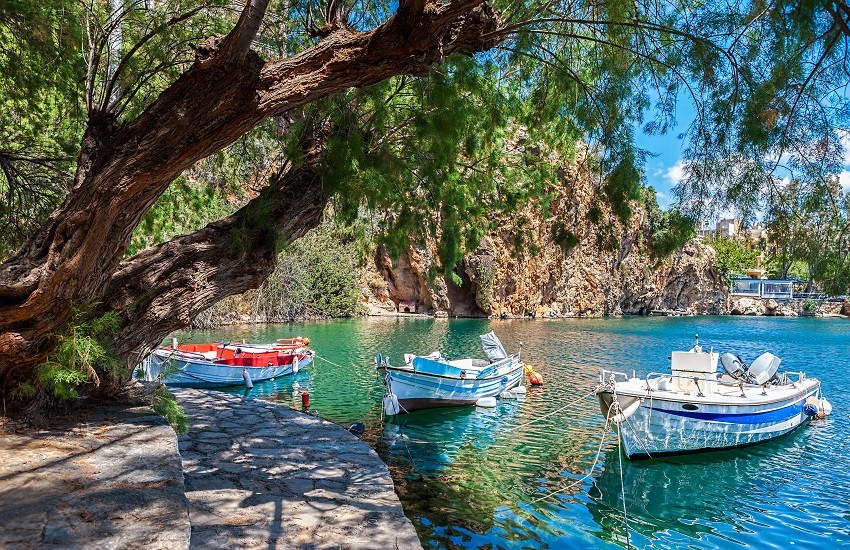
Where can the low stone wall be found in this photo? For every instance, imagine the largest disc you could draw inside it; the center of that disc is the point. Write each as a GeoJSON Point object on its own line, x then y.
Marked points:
{"type": "Point", "coordinates": [744, 305]}
{"type": "Point", "coordinates": [109, 479]}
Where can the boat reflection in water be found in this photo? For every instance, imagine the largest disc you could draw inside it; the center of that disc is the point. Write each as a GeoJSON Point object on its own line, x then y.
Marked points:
{"type": "Point", "coordinates": [698, 497]}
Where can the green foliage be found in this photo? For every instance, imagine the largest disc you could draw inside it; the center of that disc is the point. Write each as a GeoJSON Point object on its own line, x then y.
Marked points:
{"type": "Point", "coordinates": [316, 276]}
{"type": "Point", "coordinates": [41, 64]}
{"type": "Point", "coordinates": [183, 208]}
{"type": "Point", "coordinates": [809, 227]}
{"type": "Point", "coordinates": [23, 392]}
{"type": "Point", "coordinates": [732, 257]}
{"type": "Point", "coordinates": [80, 353]}
{"type": "Point", "coordinates": [785, 108]}
{"type": "Point", "coordinates": [165, 404]}
{"type": "Point", "coordinates": [669, 230]}
{"type": "Point", "coordinates": [810, 305]}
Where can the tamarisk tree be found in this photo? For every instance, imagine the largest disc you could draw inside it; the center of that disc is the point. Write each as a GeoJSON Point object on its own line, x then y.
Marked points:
{"type": "Point", "coordinates": [159, 86]}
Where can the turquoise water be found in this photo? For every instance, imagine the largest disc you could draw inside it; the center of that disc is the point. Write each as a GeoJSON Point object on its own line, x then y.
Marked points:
{"type": "Point", "coordinates": [521, 475]}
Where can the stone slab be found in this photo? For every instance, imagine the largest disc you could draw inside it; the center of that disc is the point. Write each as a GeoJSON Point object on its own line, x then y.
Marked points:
{"type": "Point", "coordinates": [280, 488]}
{"type": "Point", "coordinates": [111, 478]}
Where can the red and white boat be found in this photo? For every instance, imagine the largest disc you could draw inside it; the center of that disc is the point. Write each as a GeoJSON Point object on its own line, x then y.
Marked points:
{"type": "Point", "coordinates": [218, 365]}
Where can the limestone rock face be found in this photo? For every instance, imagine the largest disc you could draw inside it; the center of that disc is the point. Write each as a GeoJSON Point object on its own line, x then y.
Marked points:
{"type": "Point", "coordinates": [601, 268]}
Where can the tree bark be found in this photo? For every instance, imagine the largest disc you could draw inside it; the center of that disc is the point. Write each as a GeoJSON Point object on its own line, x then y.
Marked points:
{"type": "Point", "coordinates": [123, 167]}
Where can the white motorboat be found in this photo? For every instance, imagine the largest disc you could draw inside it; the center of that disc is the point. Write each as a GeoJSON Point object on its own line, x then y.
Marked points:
{"type": "Point", "coordinates": [432, 381]}
{"type": "Point", "coordinates": [695, 408]}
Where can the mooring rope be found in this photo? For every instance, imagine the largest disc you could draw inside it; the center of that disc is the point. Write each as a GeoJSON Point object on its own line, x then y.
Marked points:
{"type": "Point", "coordinates": [623, 489]}
{"type": "Point", "coordinates": [317, 356]}
{"type": "Point", "coordinates": [584, 477]}
{"type": "Point", "coordinates": [556, 411]}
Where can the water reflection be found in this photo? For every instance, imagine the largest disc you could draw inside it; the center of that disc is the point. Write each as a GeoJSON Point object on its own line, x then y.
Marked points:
{"type": "Point", "coordinates": [519, 476]}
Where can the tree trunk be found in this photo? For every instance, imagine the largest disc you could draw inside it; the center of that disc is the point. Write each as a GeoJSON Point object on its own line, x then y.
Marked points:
{"type": "Point", "coordinates": [123, 167]}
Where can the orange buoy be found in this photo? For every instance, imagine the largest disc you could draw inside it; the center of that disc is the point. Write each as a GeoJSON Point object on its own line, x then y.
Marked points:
{"type": "Point", "coordinates": [305, 400]}
{"type": "Point", "coordinates": [535, 378]}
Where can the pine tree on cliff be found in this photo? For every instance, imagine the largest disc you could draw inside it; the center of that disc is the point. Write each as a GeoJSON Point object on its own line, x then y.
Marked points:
{"type": "Point", "coordinates": [568, 71]}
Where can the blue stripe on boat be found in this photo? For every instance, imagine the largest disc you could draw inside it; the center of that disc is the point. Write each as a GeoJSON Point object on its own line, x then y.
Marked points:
{"type": "Point", "coordinates": [776, 415]}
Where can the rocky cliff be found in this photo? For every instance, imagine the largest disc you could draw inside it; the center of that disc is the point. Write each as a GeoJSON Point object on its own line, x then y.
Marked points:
{"type": "Point", "coordinates": [519, 270]}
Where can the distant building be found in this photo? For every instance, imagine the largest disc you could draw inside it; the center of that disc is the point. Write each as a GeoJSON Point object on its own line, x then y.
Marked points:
{"type": "Point", "coordinates": [780, 289]}
{"type": "Point", "coordinates": [729, 228]}
{"type": "Point", "coordinates": [705, 229]}
{"type": "Point", "coordinates": [756, 232]}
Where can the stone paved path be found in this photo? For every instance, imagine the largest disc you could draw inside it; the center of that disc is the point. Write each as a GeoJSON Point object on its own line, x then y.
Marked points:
{"type": "Point", "coordinates": [110, 479]}
{"type": "Point", "coordinates": [260, 475]}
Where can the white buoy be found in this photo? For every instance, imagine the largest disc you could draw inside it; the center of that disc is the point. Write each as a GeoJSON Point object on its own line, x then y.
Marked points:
{"type": "Point", "coordinates": [507, 394]}
{"type": "Point", "coordinates": [825, 407]}
{"type": "Point", "coordinates": [247, 378]}
{"type": "Point", "coordinates": [174, 343]}
{"type": "Point", "coordinates": [391, 406]}
{"type": "Point", "coordinates": [486, 402]}
{"type": "Point", "coordinates": [294, 365]}
{"type": "Point", "coordinates": [519, 390]}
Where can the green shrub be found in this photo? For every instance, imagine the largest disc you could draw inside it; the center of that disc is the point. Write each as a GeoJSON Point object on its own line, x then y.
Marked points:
{"type": "Point", "coordinates": [81, 352]}
{"type": "Point", "coordinates": [316, 276]}
{"type": "Point", "coordinates": [165, 404]}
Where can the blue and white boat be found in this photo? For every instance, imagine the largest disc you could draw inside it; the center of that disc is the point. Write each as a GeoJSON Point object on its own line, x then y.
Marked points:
{"type": "Point", "coordinates": [432, 381]}
{"type": "Point", "coordinates": [696, 408]}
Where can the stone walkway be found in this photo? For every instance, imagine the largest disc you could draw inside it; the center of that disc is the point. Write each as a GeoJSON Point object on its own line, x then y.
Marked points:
{"type": "Point", "coordinates": [109, 479]}
{"type": "Point", "coordinates": [260, 475]}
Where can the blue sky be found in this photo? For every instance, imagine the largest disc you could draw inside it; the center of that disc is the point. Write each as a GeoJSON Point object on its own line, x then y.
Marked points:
{"type": "Point", "coordinates": [664, 169]}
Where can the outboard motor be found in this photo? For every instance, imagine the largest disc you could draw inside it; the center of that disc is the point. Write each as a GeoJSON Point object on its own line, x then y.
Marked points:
{"type": "Point", "coordinates": [734, 366]}
{"type": "Point", "coordinates": [764, 367]}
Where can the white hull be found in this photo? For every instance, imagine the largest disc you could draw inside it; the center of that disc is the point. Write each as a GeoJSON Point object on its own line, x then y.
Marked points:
{"type": "Point", "coordinates": [418, 390]}
{"type": "Point", "coordinates": [188, 372]}
{"type": "Point", "coordinates": [659, 423]}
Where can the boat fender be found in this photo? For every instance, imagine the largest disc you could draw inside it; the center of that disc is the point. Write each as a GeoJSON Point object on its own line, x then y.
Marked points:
{"type": "Point", "coordinates": [486, 402]}
{"type": "Point", "coordinates": [535, 378]}
{"type": "Point", "coordinates": [519, 390]}
{"type": "Point", "coordinates": [247, 379]}
{"type": "Point", "coordinates": [528, 369]}
{"type": "Point", "coordinates": [294, 365]}
{"type": "Point", "coordinates": [391, 406]}
{"type": "Point", "coordinates": [825, 407]}
{"type": "Point", "coordinates": [810, 407]}
{"type": "Point", "coordinates": [504, 380]}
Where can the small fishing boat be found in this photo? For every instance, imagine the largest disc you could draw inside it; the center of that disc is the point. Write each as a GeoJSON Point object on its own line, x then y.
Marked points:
{"type": "Point", "coordinates": [695, 408]}
{"type": "Point", "coordinates": [218, 365]}
{"type": "Point", "coordinates": [432, 381]}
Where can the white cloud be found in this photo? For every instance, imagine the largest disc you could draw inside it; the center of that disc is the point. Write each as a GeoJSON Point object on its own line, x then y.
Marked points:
{"type": "Point", "coordinates": [675, 173]}
{"type": "Point", "coordinates": [844, 180]}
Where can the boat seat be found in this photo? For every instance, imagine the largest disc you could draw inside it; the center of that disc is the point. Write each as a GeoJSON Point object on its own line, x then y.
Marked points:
{"type": "Point", "coordinates": [437, 368]}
